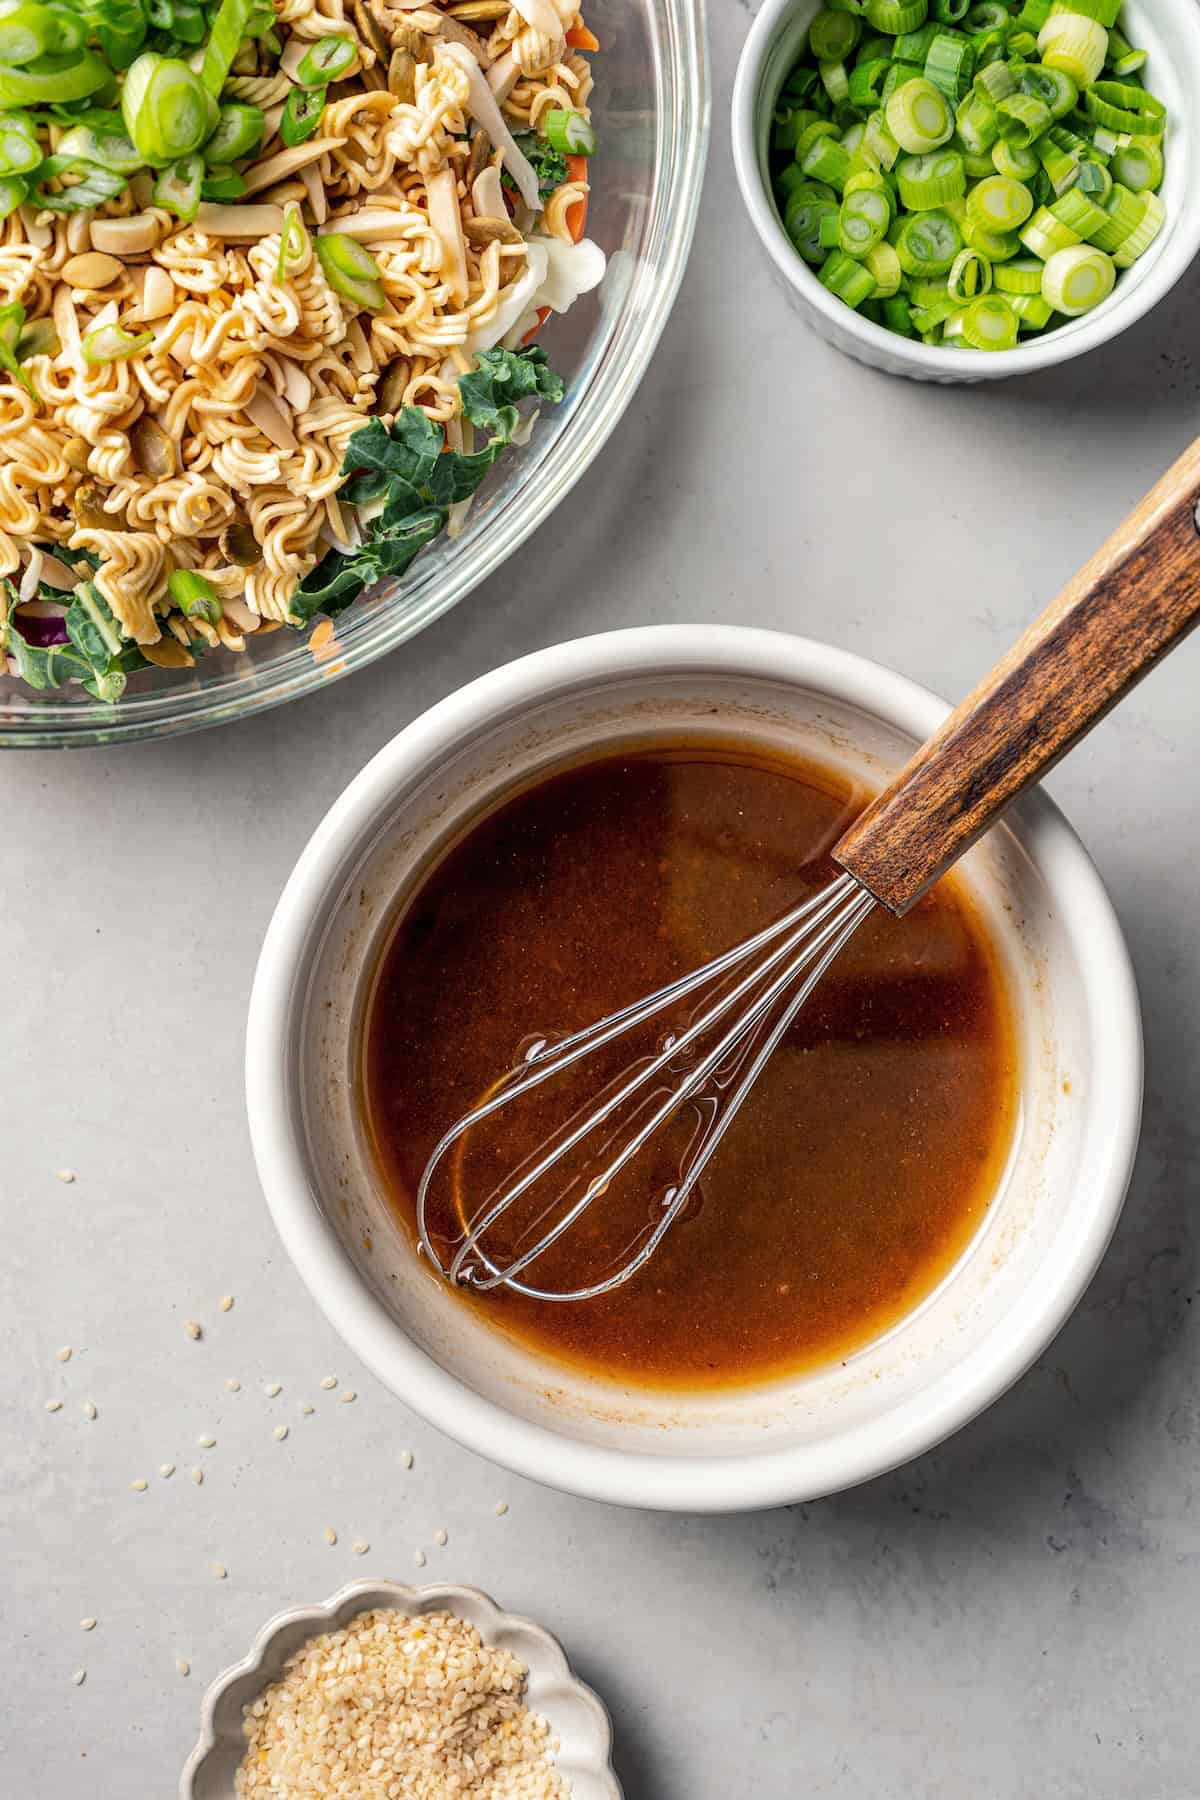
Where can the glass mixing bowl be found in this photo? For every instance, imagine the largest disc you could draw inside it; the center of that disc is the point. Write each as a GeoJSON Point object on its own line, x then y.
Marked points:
{"type": "Point", "coordinates": [650, 106]}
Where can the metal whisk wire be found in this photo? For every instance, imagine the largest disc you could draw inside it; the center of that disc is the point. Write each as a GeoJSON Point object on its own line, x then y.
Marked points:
{"type": "Point", "coordinates": [804, 941]}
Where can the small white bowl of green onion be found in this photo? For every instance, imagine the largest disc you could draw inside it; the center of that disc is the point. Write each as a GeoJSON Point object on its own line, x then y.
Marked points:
{"type": "Point", "coordinates": [957, 190]}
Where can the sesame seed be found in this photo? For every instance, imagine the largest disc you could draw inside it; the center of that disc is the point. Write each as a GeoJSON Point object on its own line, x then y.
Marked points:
{"type": "Point", "coordinates": [166, 1470]}
{"type": "Point", "coordinates": [233, 1385]}
{"type": "Point", "coordinates": [406, 1458]}
{"type": "Point", "coordinates": [220, 1571]}
{"type": "Point", "coordinates": [198, 1477]}
{"type": "Point", "coordinates": [193, 1328]}
{"type": "Point", "coordinates": [64, 1355]}
{"type": "Point", "coordinates": [87, 1624]}
{"type": "Point", "coordinates": [307, 1410]}
{"type": "Point", "coordinates": [183, 1665]}
{"type": "Point", "coordinates": [65, 1175]}
{"type": "Point", "coordinates": [441, 1537]}
{"type": "Point", "coordinates": [140, 1485]}
{"type": "Point", "coordinates": [361, 1547]}
{"type": "Point", "coordinates": [88, 1409]}
{"type": "Point", "coordinates": [79, 1677]}
{"type": "Point", "coordinates": [279, 1433]}
{"type": "Point", "coordinates": [54, 1406]}
{"type": "Point", "coordinates": [501, 1508]}
{"type": "Point", "coordinates": [329, 1382]}
{"type": "Point", "coordinates": [348, 1396]}
{"type": "Point", "coordinates": [271, 1388]}
{"type": "Point", "coordinates": [330, 1535]}
{"type": "Point", "coordinates": [227, 1303]}
{"type": "Point", "coordinates": [206, 1442]}
{"type": "Point", "coordinates": [419, 1558]}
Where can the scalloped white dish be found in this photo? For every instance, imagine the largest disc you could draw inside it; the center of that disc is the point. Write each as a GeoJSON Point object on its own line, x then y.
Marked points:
{"type": "Point", "coordinates": [577, 1717]}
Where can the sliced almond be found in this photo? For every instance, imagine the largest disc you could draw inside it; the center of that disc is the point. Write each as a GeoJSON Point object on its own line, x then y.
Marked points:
{"type": "Point", "coordinates": [127, 237]}
{"type": "Point", "coordinates": [279, 167]}
{"type": "Point", "coordinates": [158, 294]}
{"type": "Point", "coordinates": [91, 269]}
{"type": "Point", "coordinates": [269, 416]}
{"type": "Point", "coordinates": [167, 654]}
{"type": "Point", "coordinates": [492, 231]}
{"type": "Point", "coordinates": [241, 224]}
{"type": "Point", "coordinates": [480, 12]}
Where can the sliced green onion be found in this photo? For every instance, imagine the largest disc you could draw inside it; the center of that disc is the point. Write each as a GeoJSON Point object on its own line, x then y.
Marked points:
{"type": "Point", "coordinates": [54, 78]}
{"type": "Point", "coordinates": [1144, 232]}
{"type": "Point", "coordinates": [301, 115]}
{"type": "Point", "coordinates": [194, 595]}
{"type": "Point", "coordinates": [238, 132]}
{"type": "Point", "coordinates": [897, 75]}
{"type": "Point", "coordinates": [847, 278]}
{"type": "Point", "coordinates": [1044, 234]}
{"type": "Point", "coordinates": [165, 108]}
{"type": "Point", "coordinates": [229, 28]}
{"type": "Point", "coordinates": [996, 82]}
{"type": "Point", "coordinates": [1101, 12]}
{"type": "Point", "coordinates": [1077, 279]}
{"type": "Point", "coordinates": [177, 189]}
{"type": "Point", "coordinates": [1032, 311]}
{"type": "Point", "coordinates": [826, 160]}
{"type": "Point", "coordinates": [108, 343]}
{"type": "Point", "coordinates": [13, 192]}
{"type": "Point", "coordinates": [1107, 143]}
{"type": "Point", "coordinates": [986, 16]}
{"type": "Point", "coordinates": [1123, 59]}
{"type": "Point", "coordinates": [803, 218]}
{"type": "Point", "coordinates": [1018, 161]}
{"type": "Point", "coordinates": [970, 274]}
{"type": "Point", "coordinates": [895, 17]}
{"type": "Point", "coordinates": [330, 57]}
{"type": "Point", "coordinates": [1139, 165]}
{"type": "Point", "coordinates": [1078, 213]}
{"type": "Point", "coordinates": [1021, 45]}
{"type": "Point", "coordinates": [977, 123]}
{"type": "Point", "coordinates": [1053, 87]}
{"type": "Point", "coordinates": [878, 142]}
{"type": "Point", "coordinates": [222, 184]}
{"type": "Point", "coordinates": [1033, 15]}
{"type": "Point", "coordinates": [101, 138]}
{"type": "Point", "coordinates": [1061, 168]}
{"type": "Point", "coordinates": [1076, 45]}
{"type": "Point", "coordinates": [990, 324]}
{"type": "Point", "coordinates": [999, 203]}
{"type": "Point", "coordinates": [350, 270]}
{"type": "Point", "coordinates": [808, 137]}
{"type": "Point", "coordinates": [94, 185]}
{"type": "Point", "coordinates": [1095, 181]}
{"type": "Point", "coordinates": [931, 180]}
{"type": "Point", "coordinates": [976, 165]}
{"type": "Point", "coordinates": [829, 231]}
{"type": "Point", "coordinates": [866, 81]}
{"type": "Point", "coordinates": [1021, 275]}
{"type": "Point", "coordinates": [1122, 107]}
{"type": "Point", "coordinates": [831, 36]}
{"type": "Point", "coordinates": [884, 266]}
{"type": "Point", "coordinates": [1123, 216]}
{"type": "Point", "coordinates": [19, 148]}
{"type": "Point", "coordinates": [1022, 119]}
{"type": "Point", "coordinates": [949, 12]}
{"type": "Point", "coordinates": [39, 338]}
{"type": "Point", "coordinates": [568, 132]}
{"type": "Point", "coordinates": [897, 316]}
{"type": "Point", "coordinates": [913, 46]}
{"type": "Point", "coordinates": [120, 27]}
{"type": "Point", "coordinates": [950, 64]}
{"type": "Point", "coordinates": [918, 116]}
{"type": "Point", "coordinates": [293, 241]}
{"type": "Point", "coordinates": [863, 220]}
{"type": "Point", "coordinates": [927, 243]}
{"type": "Point", "coordinates": [997, 246]}
{"type": "Point", "coordinates": [28, 31]}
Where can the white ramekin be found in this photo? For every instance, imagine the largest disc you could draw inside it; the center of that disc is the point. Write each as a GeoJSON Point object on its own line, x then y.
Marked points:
{"type": "Point", "coordinates": [1168, 29]}
{"type": "Point", "coordinates": [993, 1314]}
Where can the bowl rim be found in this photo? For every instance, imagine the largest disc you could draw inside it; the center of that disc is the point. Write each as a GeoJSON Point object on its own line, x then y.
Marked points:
{"type": "Point", "coordinates": [883, 348]}
{"type": "Point", "coordinates": [555, 463]}
{"type": "Point", "coordinates": [434, 1596]}
{"type": "Point", "coordinates": [714, 1483]}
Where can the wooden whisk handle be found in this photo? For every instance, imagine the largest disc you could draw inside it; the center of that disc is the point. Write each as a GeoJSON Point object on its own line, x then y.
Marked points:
{"type": "Point", "coordinates": [1126, 608]}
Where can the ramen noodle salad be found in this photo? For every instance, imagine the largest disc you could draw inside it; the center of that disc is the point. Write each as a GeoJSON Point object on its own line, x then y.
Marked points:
{"type": "Point", "coordinates": [270, 276]}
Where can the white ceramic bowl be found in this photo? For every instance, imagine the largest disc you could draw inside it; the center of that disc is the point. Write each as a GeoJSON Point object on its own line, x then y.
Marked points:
{"type": "Point", "coordinates": [1080, 1047]}
{"type": "Point", "coordinates": [1168, 29]}
{"type": "Point", "coordinates": [576, 1716]}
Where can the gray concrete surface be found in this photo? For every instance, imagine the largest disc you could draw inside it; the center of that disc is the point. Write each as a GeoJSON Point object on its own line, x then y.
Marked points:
{"type": "Point", "coordinates": [1012, 1617]}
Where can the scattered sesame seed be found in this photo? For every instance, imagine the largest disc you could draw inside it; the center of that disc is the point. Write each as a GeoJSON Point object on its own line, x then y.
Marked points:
{"type": "Point", "coordinates": [330, 1535]}
{"type": "Point", "coordinates": [271, 1388]}
{"type": "Point", "coordinates": [140, 1485]}
{"type": "Point", "coordinates": [227, 1303]}
{"type": "Point", "coordinates": [206, 1442]}
{"type": "Point", "coordinates": [501, 1508]}
{"type": "Point", "coordinates": [89, 1409]}
{"type": "Point", "coordinates": [87, 1624]}
{"type": "Point", "coordinates": [279, 1433]}
{"type": "Point", "coordinates": [419, 1558]}
{"type": "Point", "coordinates": [193, 1328]}
{"type": "Point", "coordinates": [307, 1410]}
{"type": "Point", "coordinates": [441, 1537]}
{"type": "Point", "coordinates": [233, 1385]}
{"type": "Point", "coordinates": [198, 1477]}
{"type": "Point", "coordinates": [166, 1470]}
{"type": "Point", "coordinates": [329, 1382]}
{"type": "Point", "coordinates": [79, 1677]}
{"type": "Point", "coordinates": [67, 1175]}
{"type": "Point", "coordinates": [183, 1665]}
{"type": "Point", "coordinates": [54, 1406]}
{"type": "Point", "coordinates": [220, 1571]}
{"type": "Point", "coordinates": [348, 1396]}
{"type": "Point", "coordinates": [406, 1458]}
{"type": "Point", "coordinates": [361, 1547]}
{"type": "Point", "coordinates": [64, 1355]}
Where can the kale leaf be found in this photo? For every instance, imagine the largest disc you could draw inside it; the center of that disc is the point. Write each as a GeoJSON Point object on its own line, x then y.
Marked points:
{"type": "Point", "coordinates": [548, 164]}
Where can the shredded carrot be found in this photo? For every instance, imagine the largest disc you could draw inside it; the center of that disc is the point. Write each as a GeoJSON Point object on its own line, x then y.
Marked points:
{"type": "Point", "coordinates": [543, 315]}
{"type": "Point", "coordinates": [577, 170]}
{"type": "Point", "coordinates": [580, 38]}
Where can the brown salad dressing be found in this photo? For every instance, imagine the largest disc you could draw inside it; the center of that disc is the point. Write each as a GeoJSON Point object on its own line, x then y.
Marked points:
{"type": "Point", "coordinates": [859, 1167]}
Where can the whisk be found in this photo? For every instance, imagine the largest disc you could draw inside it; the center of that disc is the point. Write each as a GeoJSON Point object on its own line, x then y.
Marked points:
{"type": "Point", "coordinates": [1130, 604]}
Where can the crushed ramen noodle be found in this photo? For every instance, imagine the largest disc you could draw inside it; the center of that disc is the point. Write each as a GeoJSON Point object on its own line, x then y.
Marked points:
{"type": "Point", "coordinates": [279, 224]}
